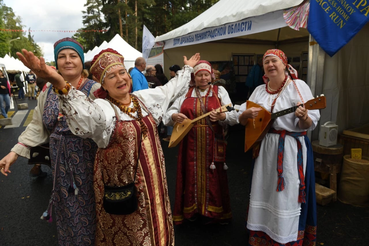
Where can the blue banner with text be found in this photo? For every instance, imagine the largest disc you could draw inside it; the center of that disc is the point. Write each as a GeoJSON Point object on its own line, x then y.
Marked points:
{"type": "Point", "coordinates": [333, 23]}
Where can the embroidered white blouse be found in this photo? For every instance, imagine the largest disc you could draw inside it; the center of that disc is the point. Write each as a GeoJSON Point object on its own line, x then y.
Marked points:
{"type": "Point", "coordinates": [96, 119]}
{"type": "Point", "coordinates": [36, 132]}
{"type": "Point", "coordinates": [277, 213]}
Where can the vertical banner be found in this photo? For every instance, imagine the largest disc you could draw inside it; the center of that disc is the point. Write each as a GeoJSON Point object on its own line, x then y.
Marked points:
{"type": "Point", "coordinates": [148, 41]}
{"type": "Point", "coordinates": [156, 55]}
{"type": "Point", "coordinates": [333, 23]}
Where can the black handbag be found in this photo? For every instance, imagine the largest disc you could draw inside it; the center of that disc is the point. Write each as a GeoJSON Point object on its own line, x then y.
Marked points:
{"type": "Point", "coordinates": [40, 155]}
{"type": "Point", "coordinates": [122, 200]}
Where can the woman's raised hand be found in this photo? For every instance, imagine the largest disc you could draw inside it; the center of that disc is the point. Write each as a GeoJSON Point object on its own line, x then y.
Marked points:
{"type": "Point", "coordinates": [192, 61]}
{"type": "Point", "coordinates": [39, 67]}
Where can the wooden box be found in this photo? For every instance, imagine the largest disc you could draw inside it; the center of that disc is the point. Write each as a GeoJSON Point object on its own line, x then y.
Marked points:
{"type": "Point", "coordinates": [323, 194]}
{"type": "Point", "coordinates": [355, 138]}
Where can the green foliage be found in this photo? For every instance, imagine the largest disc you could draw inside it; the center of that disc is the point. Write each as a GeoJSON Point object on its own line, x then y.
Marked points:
{"type": "Point", "coordinates": [12, 42]}
{"type": "Point", "coordinates": [159, 16]}
{"type": "Point", "coordinates": [92, 20]}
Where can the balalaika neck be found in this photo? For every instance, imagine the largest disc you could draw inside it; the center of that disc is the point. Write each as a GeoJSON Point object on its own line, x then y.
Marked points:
{"type": "Point", "coordinates": [284, 112]}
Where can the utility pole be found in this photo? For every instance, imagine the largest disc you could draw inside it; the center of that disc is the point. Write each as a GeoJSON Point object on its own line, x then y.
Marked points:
{"type": "Point", "coordinates": [11, 40]}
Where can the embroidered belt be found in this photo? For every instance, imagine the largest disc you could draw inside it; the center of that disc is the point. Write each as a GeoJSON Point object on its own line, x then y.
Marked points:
{"type": "Point", "coordinates": [281, 183]}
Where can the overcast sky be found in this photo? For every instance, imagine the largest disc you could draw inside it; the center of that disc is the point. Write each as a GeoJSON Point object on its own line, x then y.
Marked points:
{"type": "Point", "coordinates": [49, 15]}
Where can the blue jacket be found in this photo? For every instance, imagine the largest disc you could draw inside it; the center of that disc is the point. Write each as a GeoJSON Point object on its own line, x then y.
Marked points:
{"type": "Point", "coordinates": [255, 77]}
{"type": "Point", "coordinates": [139, 81]}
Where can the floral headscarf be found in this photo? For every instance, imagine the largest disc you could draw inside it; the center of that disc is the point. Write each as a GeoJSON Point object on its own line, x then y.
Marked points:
{"type": "Point", "coordinates": [281, 55]}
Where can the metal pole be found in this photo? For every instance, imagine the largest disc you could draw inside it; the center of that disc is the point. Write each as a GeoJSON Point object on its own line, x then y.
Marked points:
{"type": "Point", "coordinates": [11, 40]}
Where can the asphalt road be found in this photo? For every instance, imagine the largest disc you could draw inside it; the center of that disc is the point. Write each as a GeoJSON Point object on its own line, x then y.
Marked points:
{"type": "Point", "coordinates": [24, 199]}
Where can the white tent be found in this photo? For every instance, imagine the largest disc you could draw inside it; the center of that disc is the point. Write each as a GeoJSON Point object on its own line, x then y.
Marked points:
{"type": "Point", "coordinates": [117, 43]}
{"type": "Point", "coordinates": [233, 26]}
{"type": "Point", "coordinates": [251, 27]}
{"type": "Point", "coordinates": [89, 56]}
{"type": "Point", "coordinates": [222, 21]}
{"type": "Point", "coordinates": [89, 52]}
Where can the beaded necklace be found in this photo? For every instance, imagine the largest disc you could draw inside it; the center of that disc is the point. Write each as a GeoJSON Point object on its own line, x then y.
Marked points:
{"type": "Point", "coordinates": [272, 91]}
{"type": "Point", "coordinates": [79, 83]}
{"type": "Point", "coordinates": [271, 98]}
{"type": "Point", "coordinates": [128, 111]}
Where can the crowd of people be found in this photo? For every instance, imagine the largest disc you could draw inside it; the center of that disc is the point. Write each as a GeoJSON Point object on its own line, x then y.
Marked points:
{"type": "Point", "coordinates": [22, 83]}
{"type": "Point", "coordinates": [108, 165]}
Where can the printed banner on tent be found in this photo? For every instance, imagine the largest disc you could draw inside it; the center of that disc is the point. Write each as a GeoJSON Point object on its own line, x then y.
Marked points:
{"type": "Point", "coordinates": [79, 30]}
{"type": "Point", "coordinates": [148, 41]}
{"type": "Point", "coordinates": [156, 54]}
{"type": "Point", "coordinates": [246, 26]}
{"type": "Point", "coordinates": [333, 23]}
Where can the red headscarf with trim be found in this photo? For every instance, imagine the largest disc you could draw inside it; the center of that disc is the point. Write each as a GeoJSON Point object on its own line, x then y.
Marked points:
{"type": "Point", "coordinates": [201, 65]}
{"type": "Point", "coordinates": [281, 55]}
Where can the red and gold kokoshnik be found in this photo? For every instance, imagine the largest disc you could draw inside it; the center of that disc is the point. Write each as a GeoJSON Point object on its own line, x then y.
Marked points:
{"type": "Point", "coordinates": [104, 62]}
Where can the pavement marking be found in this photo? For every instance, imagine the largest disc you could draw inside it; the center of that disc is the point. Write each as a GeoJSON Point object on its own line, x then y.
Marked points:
{"type": "Point", "coordinates": [29, 117]}
{"type": "Point", "coordinates": [17, 119]}
{"type": "Point", "coordinates": [10, 114]}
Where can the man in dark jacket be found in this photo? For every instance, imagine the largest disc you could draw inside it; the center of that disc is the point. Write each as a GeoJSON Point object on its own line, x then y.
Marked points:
{"type": "Point", "coordinates": [20, 85]}
{"type": "Point", "coordinates": [31, 80]}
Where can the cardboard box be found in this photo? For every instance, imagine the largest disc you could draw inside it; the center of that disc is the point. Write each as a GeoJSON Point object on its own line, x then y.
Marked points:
{"type": "Point", "coordinates": [356, 153]}
{"type": "Point", "coordinates": [323, 194]}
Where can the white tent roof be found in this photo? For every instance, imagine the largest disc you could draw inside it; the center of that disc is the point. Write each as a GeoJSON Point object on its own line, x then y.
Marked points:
{"type": "Point", "coordinates": [90, 54]}
{"type": "Point", "coordinates": [119, 44]}
{"type": "Point", "coordinates": [12, 64]}
{"type": "Point", "coordinates": [230, 11]}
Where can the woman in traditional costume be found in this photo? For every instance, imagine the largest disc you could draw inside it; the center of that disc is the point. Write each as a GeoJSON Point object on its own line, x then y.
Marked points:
{"type": "Point", "coordinates": [72, 157]}
{"type": "Point", "coordinates": [202, 185]}
{"type": "Point", "coordinates": [124, 126]}
{"type": "Point", "coordinates": [282, 209]}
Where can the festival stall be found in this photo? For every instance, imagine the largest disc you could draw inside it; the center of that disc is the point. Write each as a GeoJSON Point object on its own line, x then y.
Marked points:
{"type": "Point", "coordinates": [233, 34]}
{"type": "Point", "coordinates": [233, 29]}
{"type": "Point", "coordinates": [13, 65]}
